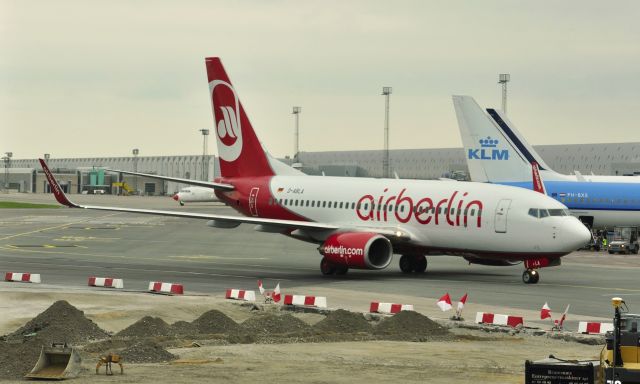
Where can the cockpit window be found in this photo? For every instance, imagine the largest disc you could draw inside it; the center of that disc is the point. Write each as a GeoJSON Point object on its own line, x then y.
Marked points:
{"type": "Point", "coordinates": [543, 213]}
{"type": "Point", "coordinates": [557, 212]}
{"type": "Point", "coordinates": [533, 212]}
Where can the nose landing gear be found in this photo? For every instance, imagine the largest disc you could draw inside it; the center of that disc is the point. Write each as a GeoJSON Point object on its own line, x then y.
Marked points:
{"type": "Point", "coordinates": [530, 276]}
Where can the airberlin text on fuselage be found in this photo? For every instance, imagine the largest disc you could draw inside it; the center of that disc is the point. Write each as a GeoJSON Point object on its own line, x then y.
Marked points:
{"type": "Point", "coordinates": [425, 210]}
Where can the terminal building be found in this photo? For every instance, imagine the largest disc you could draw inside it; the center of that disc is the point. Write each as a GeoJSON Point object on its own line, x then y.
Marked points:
{"type": "Point", "coordinates": [95, 175]}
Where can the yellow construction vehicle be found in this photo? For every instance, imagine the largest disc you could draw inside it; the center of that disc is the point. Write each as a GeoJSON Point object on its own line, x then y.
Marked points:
{"type": "Point", "coordinates": [126, 187]}
{"type": "Point", "coordinates": [620, 358]}
{"type": "Point", "coordinates": [108, 360]}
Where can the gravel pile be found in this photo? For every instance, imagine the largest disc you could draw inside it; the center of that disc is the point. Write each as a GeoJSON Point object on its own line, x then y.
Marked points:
{"type": "Point", "coordinates": [270, 324]}
{"type": "Point", "coordinates": [215, 322]}
{"type": "Point", "coordinates": [341, 321]}
{"type": "Point", "coordinates": [410, 326]}
{"type": "Point", "coordinates": [146, 327]}
{"type": "Point", "coordinates": [183, 328]}
{"type": "Point", "coordinates": [61, 322]}
{"type": "Point", "coordinates": [146, 352]}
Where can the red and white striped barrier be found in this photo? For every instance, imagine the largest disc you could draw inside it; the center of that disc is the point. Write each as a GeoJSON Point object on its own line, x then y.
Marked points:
{"type": "Point", "coordinates": [107, 282]}
{"type": "Point", "coordinates": [594, 328]}
{"type": "Point", "coordinates": [239, 294]}
{"type": "Point", "coordinates": [389, 307]}
{"type": "Point", "coordinates": [168, 288]}
{"type": "Point", "coordinates": [310, 301]}
{"type": "Point", "coordinates": [22, 277]}
{"type": "Point", "coordinates": [495, 319]}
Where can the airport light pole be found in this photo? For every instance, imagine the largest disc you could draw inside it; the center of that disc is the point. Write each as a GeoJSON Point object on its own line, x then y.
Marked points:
{"type": "Point", "coordinates": [205, 134]}
{"type": "Point", "coordinates": [135, 153]}
{"type": "Point", "coordinates": [7, 164]}
{"type": "Point", "coordinates": [386, 91]}
{"type": "Point", "coordinates": [296, 140]}
{"type": "Point", "coordinates": [503, 79]}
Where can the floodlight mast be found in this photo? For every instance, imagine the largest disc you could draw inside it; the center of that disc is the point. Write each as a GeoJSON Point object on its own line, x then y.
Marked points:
{"type": "Point", "coordinates": [296, 139]}
{"type": "Point", "coordinates": [503, 79]}
{"type": "Point", "coordinates": [205, 134]}
{"type": "Point", "coordinates": [386, 91]}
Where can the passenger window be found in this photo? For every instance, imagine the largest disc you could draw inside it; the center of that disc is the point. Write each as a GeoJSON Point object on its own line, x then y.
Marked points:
{"type": "Point", "coordinates": [473, 212]}
{"type": "Point", "coordinates": [296, 203]}
{"type": "Point", "coordinates": [353, 205]}
{"type": "Point", "coordinates": [390, 208]}
{"type": "Point", "coordinates": [324, 204]}
{"type": "Point", "coordinates": [366, 206]}
{"type": "Point", "coordinates": [533, 212]}
{"type": "Point", "coordinates": [453, 211]}
{"type": "Point", "coordinates": [341, 204]}
{"type": "Point", "coordinates": [307, 203]}
{"type": "Point", "coordinates": [313, 203]}
{"type": "Point", "coordinates": [286, 201]}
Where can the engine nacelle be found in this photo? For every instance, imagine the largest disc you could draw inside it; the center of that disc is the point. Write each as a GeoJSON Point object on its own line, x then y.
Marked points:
{"type": "Point", "coordinates": [360, 250]}
{"type": "Point", "coordinates": [491, 262]}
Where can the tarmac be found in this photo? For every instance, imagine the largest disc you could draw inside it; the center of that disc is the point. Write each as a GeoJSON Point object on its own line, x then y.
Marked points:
{"type": "Point", "coordinates": [66, 246]}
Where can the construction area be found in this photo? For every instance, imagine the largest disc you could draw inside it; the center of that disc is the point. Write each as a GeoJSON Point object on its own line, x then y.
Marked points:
{"type": "Point", "coordinates": [160, 339]}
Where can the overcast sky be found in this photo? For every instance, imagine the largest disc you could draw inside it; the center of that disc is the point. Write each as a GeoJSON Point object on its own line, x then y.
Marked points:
{"type": "Point", "coordinates": [89, 78]}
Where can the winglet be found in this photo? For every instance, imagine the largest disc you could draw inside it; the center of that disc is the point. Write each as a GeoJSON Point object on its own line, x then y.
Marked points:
{"type": "Point", "coordinates": [55, 187]}
{"type": "Point", "coordinates": [538, 185]}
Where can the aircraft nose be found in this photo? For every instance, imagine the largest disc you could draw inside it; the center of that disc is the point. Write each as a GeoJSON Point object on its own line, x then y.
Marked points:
{"type": "Point", "coordinates": [176, 197]}
{"type": "Point", "coordinates": [576, 234]}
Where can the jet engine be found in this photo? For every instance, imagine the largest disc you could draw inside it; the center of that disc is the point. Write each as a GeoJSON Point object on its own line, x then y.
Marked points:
{"type": "Point", "coordinates": [491, 262]}
{"type": "Point", "coordinates": [360, 250]}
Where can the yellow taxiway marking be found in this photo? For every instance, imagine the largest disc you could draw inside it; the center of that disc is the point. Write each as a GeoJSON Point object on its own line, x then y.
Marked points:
{"type": "Point", "coordinates": [54, 227]}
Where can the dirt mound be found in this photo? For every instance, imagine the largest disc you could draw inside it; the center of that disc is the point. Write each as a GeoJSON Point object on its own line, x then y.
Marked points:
{"type": "Point", "coordinates": [410, 326]}
{"type": "Point", "coordinates": [146, 352]}
{"type": "Point", "coordinates": [146, 327]}
{"type": "Point", "coordinates": [341, 321]}
{"type": "Point", "coordinates": [269, 324]}
{"type": "Point", "coordinates": [214, 321]}
{"type": "Point", "coordinates": [61, 322]}
{"type": "Point", "coordinates": [183, 328]}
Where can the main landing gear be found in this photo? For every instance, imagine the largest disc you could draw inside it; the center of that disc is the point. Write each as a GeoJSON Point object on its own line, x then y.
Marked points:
{"type": "Point", "coordinates": [413, 263]}
{"type": "Point", "coordinates": [530, 276]}
{"type": "Point", "coordinates": [327, 268]}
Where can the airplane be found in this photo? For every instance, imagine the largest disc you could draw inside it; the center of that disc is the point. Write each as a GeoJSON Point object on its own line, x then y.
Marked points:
{"type": "Point", "coordinates": [497, 153]}
{"type": "Point", "coordinates": [195, 194]}
{"type": "Point", "coordinates": [360, 223]}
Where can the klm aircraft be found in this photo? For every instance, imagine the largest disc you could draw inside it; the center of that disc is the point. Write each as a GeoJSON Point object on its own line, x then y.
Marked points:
{"type": "Point", "coordinates": [497, 153]}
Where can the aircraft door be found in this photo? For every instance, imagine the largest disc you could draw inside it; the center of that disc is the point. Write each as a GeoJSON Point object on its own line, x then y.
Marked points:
{"type": "Point", "coordinates": [502, 210]}
{"type": "Point", "coordinates": [253, 201]}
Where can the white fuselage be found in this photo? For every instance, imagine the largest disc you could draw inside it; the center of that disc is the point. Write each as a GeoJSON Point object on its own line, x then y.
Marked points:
{"type": "Point", "coordinates": [472, 216]}
{"type": "Point", "coordinates": [195, 194]}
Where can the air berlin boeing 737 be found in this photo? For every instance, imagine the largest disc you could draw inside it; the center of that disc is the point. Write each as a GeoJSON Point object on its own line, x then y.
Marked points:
{"type": "Point", "coordinates": [361, 222]}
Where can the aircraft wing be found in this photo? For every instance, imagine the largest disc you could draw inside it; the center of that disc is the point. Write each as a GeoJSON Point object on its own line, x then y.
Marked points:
{"type": "Point", "coordinates": [393, 234]}
{"type": "Point", "coordinates": [206, 184]}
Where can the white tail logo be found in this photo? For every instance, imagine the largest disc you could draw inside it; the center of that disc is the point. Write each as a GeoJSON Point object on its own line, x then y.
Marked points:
{"type": "Point", "coordinates": [229, 125]}
{"type": "Point", "coordinates": [228, 128]}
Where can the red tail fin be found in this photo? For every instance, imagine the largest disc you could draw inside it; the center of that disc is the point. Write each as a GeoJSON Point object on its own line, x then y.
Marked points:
{"type": "Point", "coordinates": [538, 185]}
{"type": "Point", "coordinates": [240, 151]}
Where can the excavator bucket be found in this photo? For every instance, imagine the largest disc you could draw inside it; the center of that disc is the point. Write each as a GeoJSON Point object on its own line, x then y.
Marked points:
{"type": "Point", "coordinates": [57, 362]}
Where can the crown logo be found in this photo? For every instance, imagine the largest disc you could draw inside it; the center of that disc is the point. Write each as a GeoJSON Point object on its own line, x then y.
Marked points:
{"type": "Point", "coordinates": [488, 142]}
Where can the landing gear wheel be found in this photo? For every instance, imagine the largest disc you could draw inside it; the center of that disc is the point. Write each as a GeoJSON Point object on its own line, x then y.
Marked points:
{"type": "Point", "coordinates": [407, 263]}
{"type": "Point", "coordinates": [326, 267]}
{"type": "Point", "coordinates": [420, 264]}
{"type": "Point", "coordinates": [341, 270]}
{"type": "Point", "coordinates": [530, 276]}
